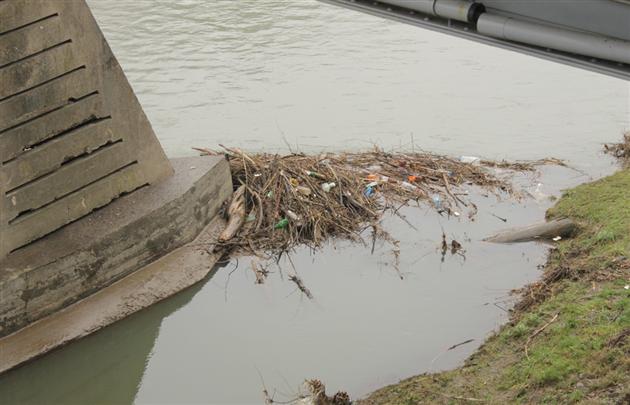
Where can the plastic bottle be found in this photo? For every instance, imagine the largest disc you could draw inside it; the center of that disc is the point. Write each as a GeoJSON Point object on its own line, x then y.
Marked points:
{"type": "Point", "coordinates": [437, 201]}
{"type": "Point", "coordinates": [328, 186]}
{"type": "Point", "coordinates": [315, 174]}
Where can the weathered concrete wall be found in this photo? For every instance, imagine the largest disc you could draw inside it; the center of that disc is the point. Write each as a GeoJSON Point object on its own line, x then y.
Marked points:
{"type": "Point", "coordinates": [112, 242]}
{"type": "Point", "coordinates": [172, 273]}
{"type": "Point", "coordinates": [73, 136]}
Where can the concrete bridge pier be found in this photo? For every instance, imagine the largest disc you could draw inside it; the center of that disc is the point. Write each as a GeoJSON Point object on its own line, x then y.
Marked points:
{"type": "Point", "coordinates": [95, 221]}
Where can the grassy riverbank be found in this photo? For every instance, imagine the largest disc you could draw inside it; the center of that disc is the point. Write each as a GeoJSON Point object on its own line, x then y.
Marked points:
{"type": "Point", "coordinates": [569, 338]}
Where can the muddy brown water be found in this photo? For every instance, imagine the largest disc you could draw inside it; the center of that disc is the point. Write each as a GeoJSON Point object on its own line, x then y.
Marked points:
{"type": "Point", "coordinates": [266, 75]}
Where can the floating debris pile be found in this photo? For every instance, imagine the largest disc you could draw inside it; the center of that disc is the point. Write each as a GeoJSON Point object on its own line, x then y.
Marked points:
{"type": "Point", "coordinates": [620, 150]}
{"type": "Point", "coordinates": [282, 201]}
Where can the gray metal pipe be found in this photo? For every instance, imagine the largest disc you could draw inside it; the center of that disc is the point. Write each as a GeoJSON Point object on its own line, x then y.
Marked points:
{"type": "Point", "coordinates": [562, 39]}
{"type": "Point", "coordinates": [423, 6]}
{"type": "Point", "coordinates": [460, 10]}
{"type": "Point", "coordinates": [456, 9]}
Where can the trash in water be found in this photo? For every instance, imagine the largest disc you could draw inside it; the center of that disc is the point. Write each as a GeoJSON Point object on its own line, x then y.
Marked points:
{"type": "Point", "coordinates": [315, 174]}
{"type": "Point", "coordinates": [408, 186]}
{"type": "Point", "coordinates": [282, 223]}
{"type": "Point", "coordinates": [469, 159]}
{"type": "Point", "coordinates": [328, 186]}
{"type": "Point", "coordinates": [437, 201]}
{"type": "Point", "coordinates": [537, 193]}
{"type": "Point", "coordinates": [303, 190]}
{"type": "Point", "coordinates": [557, 238]}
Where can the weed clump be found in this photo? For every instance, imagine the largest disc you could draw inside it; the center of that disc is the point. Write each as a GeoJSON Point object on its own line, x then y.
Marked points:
{"type": "Point", "coordinates": [620, 150]}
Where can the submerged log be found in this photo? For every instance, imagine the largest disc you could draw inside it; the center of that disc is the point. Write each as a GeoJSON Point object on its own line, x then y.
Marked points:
{"type": "Point", "coordinates": [544, 230]}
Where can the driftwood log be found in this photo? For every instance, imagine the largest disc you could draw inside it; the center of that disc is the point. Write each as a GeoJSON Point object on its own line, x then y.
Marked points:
{"type": "Point", "coordinates": [236, 215]}
{"type": "Point", "coordinates": [540, 231]}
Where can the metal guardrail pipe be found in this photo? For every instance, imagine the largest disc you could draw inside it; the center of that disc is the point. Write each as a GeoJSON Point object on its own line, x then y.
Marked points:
{"type": "Point", "coordinates": [593, 47]}
{"type": "Point", "coordinates": [423, 6]}
{"type": "Point", "coordinates": [562, 39]}
{"type": "Point", "coordinates": [460, 10]}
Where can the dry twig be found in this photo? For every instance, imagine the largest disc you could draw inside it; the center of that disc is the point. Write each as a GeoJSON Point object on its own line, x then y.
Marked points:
{"type": "Point", "coordinates": [537, 332]}
{"type": "Point", "coordinates": [300, 285]}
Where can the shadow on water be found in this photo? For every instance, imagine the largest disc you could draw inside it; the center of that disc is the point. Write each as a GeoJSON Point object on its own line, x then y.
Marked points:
{"type": "Point", "coordinates": [104, 368]}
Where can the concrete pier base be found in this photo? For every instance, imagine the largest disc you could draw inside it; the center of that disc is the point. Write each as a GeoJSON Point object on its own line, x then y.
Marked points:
{"type": "Point", "coordinates": [169, 275]}
{"type": "Point", "coordinates": [112, 243]}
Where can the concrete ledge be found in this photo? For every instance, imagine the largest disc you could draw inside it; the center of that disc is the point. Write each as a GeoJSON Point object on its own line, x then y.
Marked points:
{"type": "Point", "coordinates": [172, 273]}
{"type": "Point", "coordinates": [111, 243]}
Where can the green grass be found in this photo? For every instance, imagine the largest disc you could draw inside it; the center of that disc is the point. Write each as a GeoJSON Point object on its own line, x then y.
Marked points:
{"type": "Point", "coordinates": [603, 209]}
{"type": "Point", "coordinates": [569, 360]}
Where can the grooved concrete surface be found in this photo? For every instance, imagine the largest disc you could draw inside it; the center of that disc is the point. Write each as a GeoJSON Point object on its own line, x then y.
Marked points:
{"type": "Point", "coordinates": [73, 136]}
{"type": "Point", "coordinates": [111, 243]}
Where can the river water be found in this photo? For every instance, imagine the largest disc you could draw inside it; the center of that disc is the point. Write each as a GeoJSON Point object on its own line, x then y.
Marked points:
{"type": "Point", "coordinates": [302, 75]}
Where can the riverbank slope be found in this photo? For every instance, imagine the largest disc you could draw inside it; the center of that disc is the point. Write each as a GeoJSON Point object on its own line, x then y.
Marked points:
{"type": "Point", "coordinates": [568, 340]}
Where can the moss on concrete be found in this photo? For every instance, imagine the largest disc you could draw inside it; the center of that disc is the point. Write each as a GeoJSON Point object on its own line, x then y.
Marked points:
{"type": "Point", "coordinates": [569, 340]}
